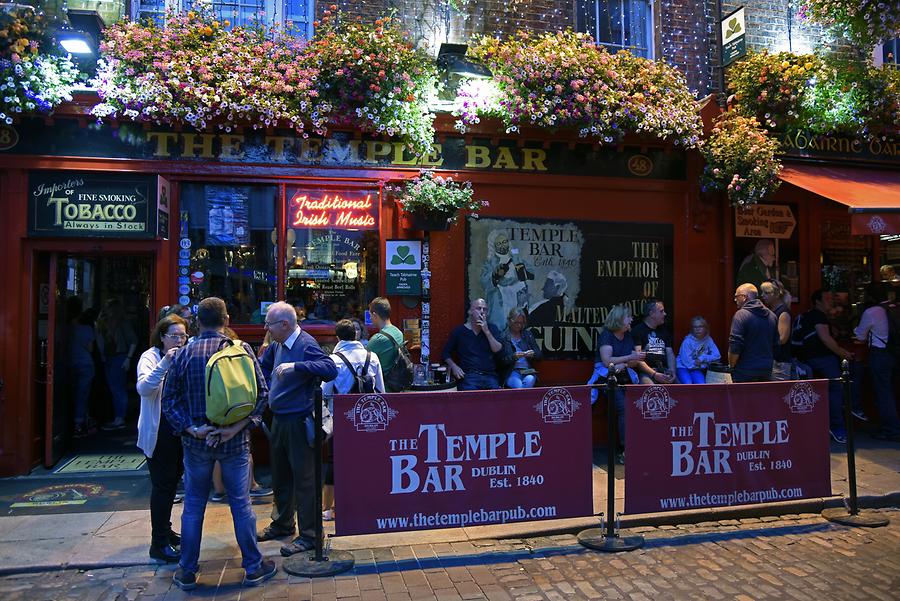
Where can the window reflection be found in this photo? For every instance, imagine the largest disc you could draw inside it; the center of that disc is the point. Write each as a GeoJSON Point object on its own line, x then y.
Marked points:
{"type": "Point", "coordinates": [232, 247]}
{"type": "Point", "coordinates": [332, 273]}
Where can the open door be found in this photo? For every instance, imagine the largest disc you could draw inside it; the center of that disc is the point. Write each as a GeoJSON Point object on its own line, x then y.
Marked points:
{"type": "Point", "coordinates": [52, 411]}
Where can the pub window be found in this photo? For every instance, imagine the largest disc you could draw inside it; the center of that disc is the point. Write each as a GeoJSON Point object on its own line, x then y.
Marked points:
{"type": "Point", "coordinates": [845, 271]}
{"type": "Point", "coordinates": [618, 24]}
{"type": "Point", "coordinates": [228, 245]}
{"type": "Point", "coordinates": [332, 252]}
{"type": "Point", "coordinates": [889, 52]}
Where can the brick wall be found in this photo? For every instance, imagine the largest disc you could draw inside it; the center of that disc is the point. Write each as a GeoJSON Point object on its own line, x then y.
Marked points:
{"type": "Point", "coordinates": [433, 22]}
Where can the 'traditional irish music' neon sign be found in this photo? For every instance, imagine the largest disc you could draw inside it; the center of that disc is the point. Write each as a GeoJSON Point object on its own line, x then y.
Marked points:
{"type": "Point", "coordinates": [321, 209]}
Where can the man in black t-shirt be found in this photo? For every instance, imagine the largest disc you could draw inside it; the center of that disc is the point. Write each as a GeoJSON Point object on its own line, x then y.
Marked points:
{"type": "Point", "coordinates": [650, 337]}
{"type": "Point", "coordinates": [821, 352]}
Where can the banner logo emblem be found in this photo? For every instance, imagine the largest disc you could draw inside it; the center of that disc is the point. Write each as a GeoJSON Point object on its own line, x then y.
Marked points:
{"type": "Point", "coordinates": [655, 403]}
{"type": "Point", "coordinates": [557, 406]}
{"type": "Point", "coordinates": [371, 414]}
{"type": "Point", "coordinates": [801, 399]}
{"type": "Point", "coordinates": [877, 225]}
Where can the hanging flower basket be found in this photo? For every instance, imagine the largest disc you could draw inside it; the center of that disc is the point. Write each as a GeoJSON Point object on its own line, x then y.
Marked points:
{"type": "Point", "coordinates": [429, 222]}
{"type": "Point", "coordinates": [431, 202]}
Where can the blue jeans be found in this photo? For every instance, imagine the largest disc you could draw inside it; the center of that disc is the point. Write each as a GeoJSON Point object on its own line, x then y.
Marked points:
{"type": "Point", "coordinates": [198, 467]}
{"type": "Point", "coordinates": [830, 367]}
{"type": "Point", "coordinates": [517, 380]}
{"type": "Point", "coordinates": [115, 380]}
{"type": "Point", "coordinates": [82, 376]}
{"type": "Point", "coordinates": [691, 376]}
{"type": "Point", "coordinates": [474, 381]}
{"type": "Point", "coordinates": [881, 367]}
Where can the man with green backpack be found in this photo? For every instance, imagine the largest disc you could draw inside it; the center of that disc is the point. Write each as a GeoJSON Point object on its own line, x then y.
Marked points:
{"type": "Point", "coordinates": [214, 393]}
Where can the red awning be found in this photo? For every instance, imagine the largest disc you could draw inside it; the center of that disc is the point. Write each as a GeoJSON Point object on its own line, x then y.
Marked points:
{"type": "Point", "coordinates": [872, 196]}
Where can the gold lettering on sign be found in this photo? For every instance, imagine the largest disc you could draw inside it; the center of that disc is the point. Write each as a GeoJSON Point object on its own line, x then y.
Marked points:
{"type": "Point", "coordinates": [478, 157]}
{"type": "Point", "coordinates": [161, 139]}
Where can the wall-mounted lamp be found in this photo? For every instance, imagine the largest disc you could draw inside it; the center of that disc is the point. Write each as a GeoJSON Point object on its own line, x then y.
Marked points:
{"type": "Point", "coordinates": [452, 58]}
{"type": "Point", "coordinates": [84, 35]}
{"type": "Point", "coordinates": [77, 42]}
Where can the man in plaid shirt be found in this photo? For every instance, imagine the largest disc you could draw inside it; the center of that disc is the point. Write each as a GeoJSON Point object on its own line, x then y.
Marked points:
{"type": "Point", "coordinates": [184, 405]}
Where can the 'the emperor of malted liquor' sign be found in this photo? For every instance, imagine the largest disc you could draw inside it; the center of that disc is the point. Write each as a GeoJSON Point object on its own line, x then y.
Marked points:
{"type": "Point", "coordinates": [91, 205]}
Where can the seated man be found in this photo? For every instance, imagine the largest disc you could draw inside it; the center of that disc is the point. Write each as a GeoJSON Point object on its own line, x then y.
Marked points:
{"type": "Point", "coordinates": [475, 344]}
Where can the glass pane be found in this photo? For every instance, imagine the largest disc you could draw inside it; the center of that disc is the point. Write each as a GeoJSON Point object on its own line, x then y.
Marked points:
{"type": "Point", "coordinates": [845, 271]}
{"type": "Point", "coordinates": [153, 10]}
{"type": "Point", "coordinates": [609, 24]}
{"type": "Point", "coordinates": [332, 271]}
{"type": "Point", "coordinates": [638, 27]}
{"type": "Point", "coordinates": [237, 12]}
{"type": "Point", "coordinates": [889, 52]}
{"type": "Point", "coordinates": [296, 15]}
{"type": "Point", "coordinates": [232, 247]}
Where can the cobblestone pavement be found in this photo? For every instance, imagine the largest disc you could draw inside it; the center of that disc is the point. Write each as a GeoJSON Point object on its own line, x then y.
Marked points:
{"type": "Point", "coordinates": [788, 557]}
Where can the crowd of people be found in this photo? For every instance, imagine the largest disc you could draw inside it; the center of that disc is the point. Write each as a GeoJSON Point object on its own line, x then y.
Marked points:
{"type": "Point", "coordinates": [177, 437]}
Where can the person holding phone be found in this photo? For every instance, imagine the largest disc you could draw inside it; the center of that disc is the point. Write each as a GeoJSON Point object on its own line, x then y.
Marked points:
{"type": "Point", "coordinates": [522, 349]}
{"type": "Point", "coordinates": [161, 446]}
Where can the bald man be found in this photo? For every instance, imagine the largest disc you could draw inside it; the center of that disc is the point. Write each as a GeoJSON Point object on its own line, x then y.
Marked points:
{"type": "Point", "coordinates": [754, 334]}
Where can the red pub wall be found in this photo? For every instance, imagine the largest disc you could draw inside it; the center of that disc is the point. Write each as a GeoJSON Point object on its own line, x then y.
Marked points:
{"type": "Point", "coordinates": [699, 274]}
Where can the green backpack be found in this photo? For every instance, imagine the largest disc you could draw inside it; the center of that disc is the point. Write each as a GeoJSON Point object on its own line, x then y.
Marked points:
{"type": "Point", "coordinates": [230, 384]}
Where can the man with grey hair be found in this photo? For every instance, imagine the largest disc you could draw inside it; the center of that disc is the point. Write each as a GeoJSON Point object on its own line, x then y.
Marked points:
{"type": "Point", "coordinates": [754, 334]}
{"type": "Point", "coordinates": [293, 365]}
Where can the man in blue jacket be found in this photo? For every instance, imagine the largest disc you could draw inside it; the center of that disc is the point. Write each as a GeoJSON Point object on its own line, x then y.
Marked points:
{"type": "Point", "coordinates": [754, 334]}
{"type": "Point", "coordinates": [293, 365]}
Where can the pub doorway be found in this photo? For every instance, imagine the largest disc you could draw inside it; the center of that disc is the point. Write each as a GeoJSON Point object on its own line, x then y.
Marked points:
{"type": "Point", "coordinates": [90, 310]}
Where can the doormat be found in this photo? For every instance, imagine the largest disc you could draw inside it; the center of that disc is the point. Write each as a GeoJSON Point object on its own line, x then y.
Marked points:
{"type": "Point", "coordinates": [122, 462]}
{"type": "Point", "coordinates": [59, 494]}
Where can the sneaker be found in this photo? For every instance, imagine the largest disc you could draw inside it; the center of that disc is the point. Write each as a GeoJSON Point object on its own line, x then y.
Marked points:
{"type": "Point", "coordinates": [860, 415]}
{"type": "Point", "coordinates": [265, 571]}
{"type": "Point", "coordinates": [166, 553]}
{"type": "Point", "coordinates": [270, 533]}
{"type": "Point", "coordinates": [260, 491]}
{"type": "Point", "coordinates": [298, 545]}
{"type": "Point", "coordinates": [186, 581]}
{"type": "Point", "coordinates": [116, 424]}
{"type": "Point", "coordinates": [839, 436]}
{"type": "Point", "coordinates": [179, 491]}
{"type": "Point", "coordinates": [328, 515]}
{"type": "Point", "coordinates": [218, 497]}
{"type": "Point", "coordinates": [179, 497]}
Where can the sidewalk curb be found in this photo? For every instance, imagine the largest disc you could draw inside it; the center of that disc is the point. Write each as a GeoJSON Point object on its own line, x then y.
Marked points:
{"type": "Point", "coordinates": [714, 514]}
{"type": "Point", "coordinates": [815, 505]}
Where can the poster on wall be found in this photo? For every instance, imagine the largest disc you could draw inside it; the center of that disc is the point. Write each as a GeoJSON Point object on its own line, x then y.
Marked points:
{"type": "Point", "coordinates": [91, 205]}
{"type": "Point", "coordinates": [229, 215]}
{"type": "Point", "coordinates": [566, 275]}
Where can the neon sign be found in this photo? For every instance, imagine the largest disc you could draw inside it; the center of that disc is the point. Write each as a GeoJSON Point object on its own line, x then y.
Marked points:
{"type": "Point", "coordinates": [329, 209]}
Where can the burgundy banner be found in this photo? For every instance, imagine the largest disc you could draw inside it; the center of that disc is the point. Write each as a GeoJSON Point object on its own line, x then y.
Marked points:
{"type": "Point", "coordinates": [711, 445]}
{"type": "Point", "coordinates": [415, 461]}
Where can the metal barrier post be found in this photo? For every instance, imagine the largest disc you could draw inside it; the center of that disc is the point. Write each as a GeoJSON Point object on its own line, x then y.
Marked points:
{"type": "Point", "coordinates": [318, 564]}
{"type": "Point", "coordinates": [851, 516]}
{"type": "Point", "coordinates": [595, 538]}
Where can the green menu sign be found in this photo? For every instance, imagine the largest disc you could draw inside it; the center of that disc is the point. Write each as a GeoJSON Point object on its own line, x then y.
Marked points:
{"type": "Point", "coordinates": [403, 267]}
{"type": "Point", "coordinates": [734, 37]}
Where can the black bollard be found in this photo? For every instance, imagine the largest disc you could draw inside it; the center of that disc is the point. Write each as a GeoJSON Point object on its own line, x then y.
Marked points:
{"type": "Point", "coordinates": [595, 538]}
{"type": "Point", "coordinates": [318, 564]}
{"type": "Point", "coordinates": [851, 515]}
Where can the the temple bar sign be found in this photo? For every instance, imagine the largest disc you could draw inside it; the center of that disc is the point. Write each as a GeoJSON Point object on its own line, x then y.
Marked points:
{"type": "Point", "coordinates": [91, 205]}
{"type": "Point", "coordinates": [764, 221]}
